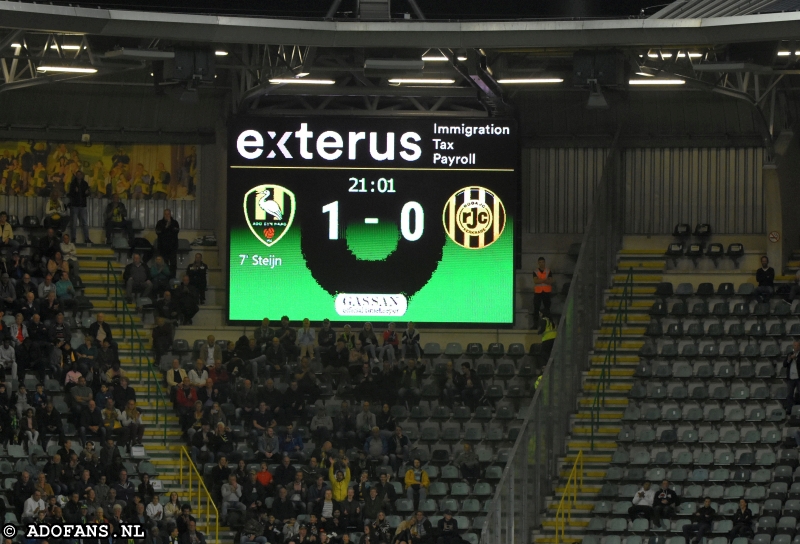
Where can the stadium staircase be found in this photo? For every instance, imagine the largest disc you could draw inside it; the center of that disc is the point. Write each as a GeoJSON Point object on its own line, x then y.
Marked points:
{"type": "Point", "coordinates": [646, 269]}
{"type": "Point", "coordinates": [162, 438]}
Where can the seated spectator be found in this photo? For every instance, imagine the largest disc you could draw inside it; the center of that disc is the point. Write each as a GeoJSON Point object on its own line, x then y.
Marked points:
{"type": "Point", "coordinates": [210, 352]}
{"type": "Point", "coordinates": [168, 309]}
{"type": "Point", "coordinates": [8, 293]}
{"type": "Point", "coordinates": [33, 505]}
{"type": "Point", "coordinates": [30, 306]}
{"type": "Point", "coordinates": [137, 279]}
{"type": "Point", "coordinates": [231, 496]}
{"type": "Point", "coordinates": [269, 444]}
{"type": "Point", "coordinates": [201, 442]}
{"type": "Point", "coordinates": [765, 276]}
{"type": "Point", "coordinates": [185, 396]}
{"type": "Point", "coordinates": [297, 492]}
{"type": "Point", "coordinates": [7, 241]}
{"type": "Point", "coordinates": [246, 401]}
{"type": "Point", "coordinates": [410, 343]}
{"type": "Point", "coordinates": [111, 420]}
{"type": "Point", "coordinates": [187, 300]}
{"type": "Point", "coordinates": [321, 426]}
{"type": "Point", "coordinates": [282, 507]}
{"type": "Point", "coordinates": [398, 449]}
{"type": "Point", "coordinates": [81, 395]}
{"type": "Point", "coordinates": [421, 530]}
{"type": "Point", "coordinates": [132, 425]}
{"type": "Point", "coordinates": [49, 244]}
{"type": "Point", "coordinates": [8, 360]}
{"type": "Point", "coordinates": [664, 504]}
{"type": "Point", "coordinates": [448, 529]}
{"type": "Point", "coordinates": [390, 343]}
{"type": "Point", "coordinates": [417, 483]}
{"type": "Point", "coordinates": [65, 291]}
{"type": "Point", "coordinates": [292, 444]}
{"type": "Point", "coordinates": [386, 422]}
{"type": "Point", "coordinates": [376, 447]}
{"type": "Point", "coordinates": [218, 375]}
{"type": "Point", "coordinates": [642, 503]}
{"type": "Point", "coordinates": [160, 275]}
{"type": "Point", "coordinates": [46, 287]}
{"type": "Point", "coordinates": [742, 522]}
{"type": "Point", "coordinates": [100, 330]}
{"type": "Point", "coordinates": [469, 465]}
{"type": "Point", "coordinates": [198, 274]}
{"type": "Point", "coordinates": [29, 428]}
{"type": "Point", "coordinates": [702, 520]}
{"type": "Point", "coordinates": [55, 213]}
{"type": "Point", "coordinates": [223, 444]}
{"type": "Point", "coordinates": [198, 375]}
{"type": "Point", "coordinates": [116, 217]}
{"type": "Point", "coordinates": [70, 254]}
{"type": "Point", "coordinates": [18, 331]}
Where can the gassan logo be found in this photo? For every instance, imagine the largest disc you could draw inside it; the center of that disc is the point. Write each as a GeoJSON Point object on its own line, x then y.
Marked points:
{"type": "Point", "coordinates": [474, 217]}
{"type": "Point", "coordinates": [269, 210]}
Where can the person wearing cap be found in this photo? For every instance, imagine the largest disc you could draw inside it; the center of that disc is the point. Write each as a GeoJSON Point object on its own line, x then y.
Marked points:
{"type": "Point", "coordinates": [448, 529]}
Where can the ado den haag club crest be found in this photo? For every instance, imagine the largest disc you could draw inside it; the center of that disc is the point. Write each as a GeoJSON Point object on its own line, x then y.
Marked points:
{"type": "Point", "coordinates": [269, 210]}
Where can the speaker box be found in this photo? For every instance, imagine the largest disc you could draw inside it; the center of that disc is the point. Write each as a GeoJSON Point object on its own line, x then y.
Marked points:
{"type": "Point", "coordinates": [609, 68]}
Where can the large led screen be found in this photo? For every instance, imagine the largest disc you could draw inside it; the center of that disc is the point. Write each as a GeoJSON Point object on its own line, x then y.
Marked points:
{"type": "Point", "coordinates": [378, 219]}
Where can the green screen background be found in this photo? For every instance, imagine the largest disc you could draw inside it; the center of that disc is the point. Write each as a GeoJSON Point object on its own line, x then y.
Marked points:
{"type": "Point", "coordinates": [468, 286]}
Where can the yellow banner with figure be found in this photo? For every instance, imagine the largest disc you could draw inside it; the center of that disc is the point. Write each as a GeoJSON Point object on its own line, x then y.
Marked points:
{"type": "Point", "coordinates": [132, 171]}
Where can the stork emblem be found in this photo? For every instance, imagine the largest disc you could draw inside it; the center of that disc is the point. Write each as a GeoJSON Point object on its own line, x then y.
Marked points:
{"type": "Point", "coordinates": [269, 210]}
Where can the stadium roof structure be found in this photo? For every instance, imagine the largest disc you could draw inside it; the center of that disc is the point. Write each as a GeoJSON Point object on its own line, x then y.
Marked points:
{"type": "Point", "coordinates": [748, 50]}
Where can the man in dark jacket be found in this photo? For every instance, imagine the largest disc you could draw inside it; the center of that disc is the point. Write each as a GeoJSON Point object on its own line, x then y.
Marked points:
{"type": "Point", "coordinates": [92, 422]}
{"type": "Point", "coordinates": [284, 473]}
{"type": "Point", "coordinates": [167, 230]}
{"type": "Point", "coordinates": [78, 195]}
{"type": "Point", "coordinates": [448, 529]}
{"type": "Point", "coordinates": [282, 507]}
{"type": "Point", "coordinates": [187, 299]}
{"type": "Point", "coordinates": [792, 366]}
{"type": "Point", "coordinates": [95, 330]}
{"type": "Point", "coordinates": [701, 523]}
{"type": "Point", "coordinates": [664, 504]}
{"type": "Point", "coordinates": [116, 217]}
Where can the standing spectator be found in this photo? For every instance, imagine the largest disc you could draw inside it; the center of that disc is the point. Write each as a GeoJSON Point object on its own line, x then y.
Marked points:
{"type": "Point", "coordinates": [701, 523]}
{"type": "Point", "coordinates": [306, 337]}
{"type": "Point", "coordinates": [116, 217]}
{"type": "Point", "coordinates": [326, 339]}
{"type": "Point", "coordinates": [79, 193]}
{"type": "Point", "coordinates": [167, 230]}
{"type": "Point", "coordinates": [163, 335]}
{"type": "Point", "coordinates": [137, 278]}
{"type": "Point", "coordinates": [542, 290]}
{"type": "Point", "coordinates": [742, 522]}
{"type": "Point", "coordinates": [410, 342]}
{"type": "Point", "coordinates": [288, 338]}
{"type": "Point", "coordinates": [411, 383]}
{"type": "Point", "coordinates": [765, 276]}
{"type": "Point", "coordinates": [791, 364]}
{"type": "Point", "coordinates": [7, 241]}
{"type": "Point", "coordinates": [664, 504]}
{"type": "Point", "coordinates": [390, 343]}
{"type": "Point", "coordinates": [417, 483]}
{"type": "Point", "coordinates": [369, 341]}
{"type": "Point", "coordinates": [642, 502]}
{"type": "Point", "coordinates": [198, 276]}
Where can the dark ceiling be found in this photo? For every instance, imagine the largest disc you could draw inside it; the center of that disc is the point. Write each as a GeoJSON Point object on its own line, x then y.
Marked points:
{"type": "Point", "coordinates": [433, 9]}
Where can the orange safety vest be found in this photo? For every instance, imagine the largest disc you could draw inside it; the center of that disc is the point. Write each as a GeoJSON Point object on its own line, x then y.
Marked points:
{"type": "Point", "coordinates": [542, 287]}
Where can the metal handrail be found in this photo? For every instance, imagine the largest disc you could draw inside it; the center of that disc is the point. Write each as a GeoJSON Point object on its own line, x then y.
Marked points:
{"type": "Point", "coordinates": [610, 358]}
{"type": "Point", "coordinates": [201, 487]}
{"type": "Point", "coordinates": [564, 512]}
{"type": "Point", "coordinates": [137, 344]}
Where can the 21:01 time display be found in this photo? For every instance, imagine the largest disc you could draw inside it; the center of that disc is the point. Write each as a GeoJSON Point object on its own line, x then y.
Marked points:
{"type": "Point", "coordinates": [383, 185]}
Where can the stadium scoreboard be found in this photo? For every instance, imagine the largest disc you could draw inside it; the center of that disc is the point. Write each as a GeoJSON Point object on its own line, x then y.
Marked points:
{"type": "Point", "coordinates": [372, 219]}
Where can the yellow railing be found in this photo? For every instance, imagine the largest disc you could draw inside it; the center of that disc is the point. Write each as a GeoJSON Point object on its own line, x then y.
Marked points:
{"type": "Point", "coordinates": [569, 498]}
{"type": "Point", "coordinates": [202, 491]}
